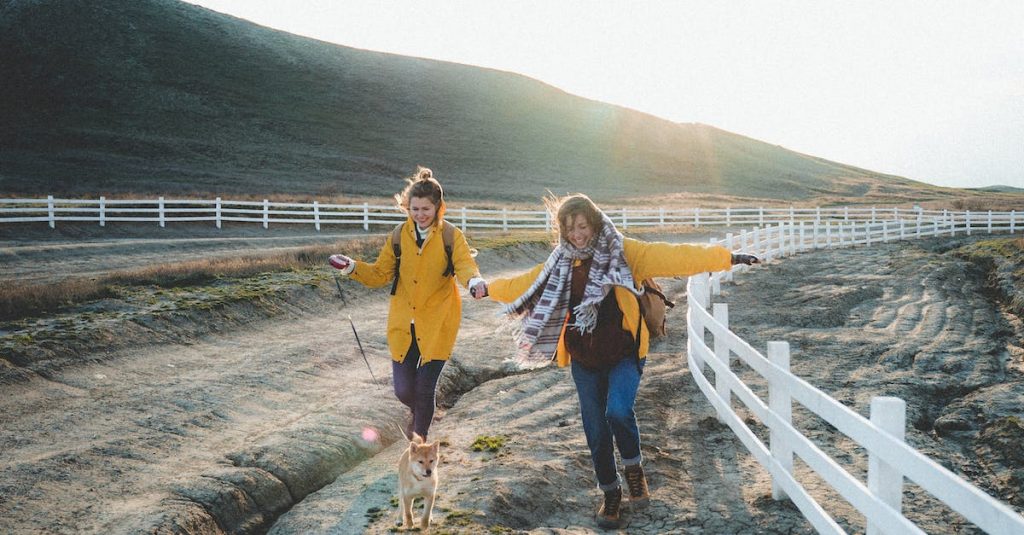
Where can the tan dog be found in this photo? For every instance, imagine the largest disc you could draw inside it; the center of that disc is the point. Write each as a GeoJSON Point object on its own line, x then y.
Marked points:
{"type": "Point", "coordinates": [417, 478]}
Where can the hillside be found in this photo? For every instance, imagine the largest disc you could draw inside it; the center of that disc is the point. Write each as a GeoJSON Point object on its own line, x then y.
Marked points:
{"type": "Point", "coordinates": [160, 96]}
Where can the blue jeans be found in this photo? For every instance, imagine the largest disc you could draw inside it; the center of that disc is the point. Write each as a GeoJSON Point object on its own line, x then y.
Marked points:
{"type": "Point", "coordinates": [415, 385]}
{"type": "Point", "coordinates": [606, 407]}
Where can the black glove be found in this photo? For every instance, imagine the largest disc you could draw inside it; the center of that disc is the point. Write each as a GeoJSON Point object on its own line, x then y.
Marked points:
{"type": "Point", "coordinates": [745, 259]}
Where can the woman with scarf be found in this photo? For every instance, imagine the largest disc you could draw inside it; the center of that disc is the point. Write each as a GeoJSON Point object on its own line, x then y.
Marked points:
{"type": "Point", "coordinates": [426, 309]}
{"type": "Point", "coordinates": [580, 308]}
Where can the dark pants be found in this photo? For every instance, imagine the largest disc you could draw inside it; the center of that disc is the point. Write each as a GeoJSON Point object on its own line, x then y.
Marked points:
{"type": "Point", "coordinates": [415, 384]}
{"type": "Point", "coordinates": [606, 407]}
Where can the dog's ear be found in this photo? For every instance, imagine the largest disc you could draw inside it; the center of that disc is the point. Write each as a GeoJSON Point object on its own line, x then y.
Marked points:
{"type": "Point", "coordinates": [413, 447]}
{"type": "Point", "coordinates": [435, 447]}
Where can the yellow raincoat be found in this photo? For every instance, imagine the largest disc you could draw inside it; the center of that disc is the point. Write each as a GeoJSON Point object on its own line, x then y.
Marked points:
{"type": "Point", "coordinates": [646, 260]}
{"type": "Point", "coordinates": [423, 295]}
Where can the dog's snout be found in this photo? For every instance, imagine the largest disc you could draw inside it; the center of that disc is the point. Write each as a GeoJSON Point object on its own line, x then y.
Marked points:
{"type": "Point", "coordinates": [428, 471]}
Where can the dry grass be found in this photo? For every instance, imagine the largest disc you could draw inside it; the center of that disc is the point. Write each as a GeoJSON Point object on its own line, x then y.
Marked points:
{"type": "Point", "coordinates": [20, 301]}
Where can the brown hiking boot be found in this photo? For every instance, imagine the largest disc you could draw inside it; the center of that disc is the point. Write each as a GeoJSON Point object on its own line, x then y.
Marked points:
{"type": "Point", "coordinates": [639, 495]}
{"type": "Point", "coordinates": [608, 514]}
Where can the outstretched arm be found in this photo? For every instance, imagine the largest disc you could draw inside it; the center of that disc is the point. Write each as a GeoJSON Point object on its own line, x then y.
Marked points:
{"type": "Point", "coordinates": [508, 289]}
{"type": "Point", "coordinates": [660, 259]}
{"type": "Point", "coordinates": [374, 274]}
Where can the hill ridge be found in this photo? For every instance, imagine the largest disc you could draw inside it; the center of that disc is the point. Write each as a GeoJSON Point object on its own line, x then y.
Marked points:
{"type": "Point", "coordinates": [160, 96]}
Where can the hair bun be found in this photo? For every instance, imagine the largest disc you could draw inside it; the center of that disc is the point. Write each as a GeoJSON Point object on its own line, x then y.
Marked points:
{"type": "Point", "coordinates": [423, 172]}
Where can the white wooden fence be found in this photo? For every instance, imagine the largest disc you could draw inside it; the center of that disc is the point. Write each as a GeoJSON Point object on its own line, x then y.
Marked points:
{"type": "Point", "coordinates": [218, 211]}
{"type": "Point", "coordinates": [890, 459]}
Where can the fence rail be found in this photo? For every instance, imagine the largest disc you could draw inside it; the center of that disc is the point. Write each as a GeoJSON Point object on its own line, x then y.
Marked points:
{"type": "Point", "coordinates": [890, 458]}
{"type": "Point", "coordinates": [162, 211]}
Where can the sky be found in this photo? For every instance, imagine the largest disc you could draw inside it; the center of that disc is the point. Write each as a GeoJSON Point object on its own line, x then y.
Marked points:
{"type": "Point", "coordinates": [929, 90]}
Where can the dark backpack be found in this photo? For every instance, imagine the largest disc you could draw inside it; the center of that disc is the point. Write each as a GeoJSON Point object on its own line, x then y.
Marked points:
{"type": "Point", "coordinates": [653, 307]}
{"type": "Point", "coordinates": [447, 235]}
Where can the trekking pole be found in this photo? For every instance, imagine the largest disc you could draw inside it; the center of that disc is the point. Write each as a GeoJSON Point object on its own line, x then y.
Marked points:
{"type": "Point", "coordinates": [341, 293]}
{"type": "Point", "coordinates": [360, 344]}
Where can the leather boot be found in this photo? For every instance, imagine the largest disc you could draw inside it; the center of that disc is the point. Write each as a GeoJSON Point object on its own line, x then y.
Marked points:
{"type": "Point", "coordinates": [639, 495]}
{"type": "Point", "coordinates": [608, 514]}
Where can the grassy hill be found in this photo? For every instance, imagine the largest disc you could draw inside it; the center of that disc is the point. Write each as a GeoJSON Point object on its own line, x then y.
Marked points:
{"type": "Point", "coordinates": [159, 96]}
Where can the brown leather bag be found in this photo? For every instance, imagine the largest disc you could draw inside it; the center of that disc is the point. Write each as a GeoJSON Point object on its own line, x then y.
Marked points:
{"type": "Point", "coordinates": [653, 307]}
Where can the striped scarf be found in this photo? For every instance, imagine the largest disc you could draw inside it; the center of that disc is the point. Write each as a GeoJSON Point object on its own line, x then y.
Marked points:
{"type": "Point", "coordinates": [542, 309]}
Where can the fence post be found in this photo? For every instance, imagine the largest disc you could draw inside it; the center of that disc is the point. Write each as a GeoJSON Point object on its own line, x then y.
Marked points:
{"type": "Point", "coordinates": [728, 217]}
{"type": "Point", "coordinates": [780, 403]}
{"type": "Point", "coordinates": [163, 218]}
{"type": "Point", "coordinates": [661, 216]}
{"type": "Point", "coordinates": [846, 213]}
{"type": "Point", "coordinates": [792, 216]}
{"type": "Point", "coordinates": [716, 282]}
{"type": "Point", "coordinates": [720, 311]}
{"type": "Point", "coordinates": [266, 213]}
{"type": "Point", "coordinates": [729, 245]}
{"type": "Point", "coordinates": [464, 219]}
{"type": "Point", "coordinates": [885, 481]}
{"type": "Point", "coordinates": [920, 220]}
{"type": "Point", "coordinates": [625, 218]}
{"type": "Point", "coordinates": [903, 229]}
{"type": "Point", "coordinates": [103, 211]}
{"type": "Point", "coordinates": [967, 221]}
{"type": "Point", "coordinates": [828, 234]}
{"type": "Point", "coordinates": [885, 231]}
{"type": "Point", "coordinates": [760, 212]}
{"type": "Point", "coordinates": [872, 214]}
{"type": "Point", "coordinates": [1013, 217]}
{"type": "Point", "coordinates": [316, 215]}
{"type": "Point", "coordinates": [504, 219]}
{"type": "Point", "coordinates": [49, 210]}
{"type": "Point", "coordinates": [547, 221]}
{"type": "Point", "coordinates": [217, 212]}
{"type": "Point", "coordinates": [803, 244]}
{"type": "Point", "coordinates": [990, 221]}
{"type": "Point", "coordinates": [366, 216]}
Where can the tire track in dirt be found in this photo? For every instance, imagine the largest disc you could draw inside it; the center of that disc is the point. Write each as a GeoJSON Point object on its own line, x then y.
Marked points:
{"type": "Point", "coordinates": [904, 320]}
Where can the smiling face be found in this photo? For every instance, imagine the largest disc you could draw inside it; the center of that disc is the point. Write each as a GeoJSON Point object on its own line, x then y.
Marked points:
{"type": "Point", "coordinates": [579, 231]}
{"type": "Point", "coordinates": [423, 211]}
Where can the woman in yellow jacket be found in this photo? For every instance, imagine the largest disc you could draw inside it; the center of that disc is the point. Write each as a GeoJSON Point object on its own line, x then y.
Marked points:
{"type": "Point", "coordinates": [580, 308]}
{"type": "Point", "coordinates": [426, 308]}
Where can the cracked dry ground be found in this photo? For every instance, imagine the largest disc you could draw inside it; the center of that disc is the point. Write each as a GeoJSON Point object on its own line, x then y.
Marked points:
{"type": "Point", "coordinates": [243, 430]}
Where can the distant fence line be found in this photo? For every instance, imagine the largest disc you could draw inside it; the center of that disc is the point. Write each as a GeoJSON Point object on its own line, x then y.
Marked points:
{"type": "Point", "coordinates": [218, 211]}
{"type": "Point", "coordinates": [890, 458]}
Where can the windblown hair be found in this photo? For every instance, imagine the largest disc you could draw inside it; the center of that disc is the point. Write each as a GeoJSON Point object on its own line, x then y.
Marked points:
{"type": "Point", "coordinates": [423, 185]}
{"type": "Point", "coordinates": [565, 210]}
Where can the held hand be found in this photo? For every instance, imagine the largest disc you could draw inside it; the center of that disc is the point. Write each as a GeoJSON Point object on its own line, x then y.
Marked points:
{"type": "Point", "coordinates": [745, 259]}
{"type": "Point", "coordinates": [339, 261]}
{"type": "Point", "coordinates": [479, 291]}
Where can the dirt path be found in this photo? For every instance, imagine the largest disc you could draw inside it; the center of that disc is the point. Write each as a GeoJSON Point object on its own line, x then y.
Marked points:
{"type": "Point", "coordinates": [263, 427]}
{"type": "Point", "coordinates": [55, 258]}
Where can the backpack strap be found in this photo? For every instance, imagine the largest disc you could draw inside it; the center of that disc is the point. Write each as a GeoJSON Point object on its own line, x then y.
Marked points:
{"type": "Point", "coordinates": [396, 246]}
{"type": "Point", "coordinates": [658, 292]}
{"type": "Point", "coordinates": [448, 235]}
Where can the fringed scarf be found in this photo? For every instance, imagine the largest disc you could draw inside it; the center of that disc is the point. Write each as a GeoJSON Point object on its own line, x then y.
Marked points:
{"type": "Point", "coordinates": [542, 309]}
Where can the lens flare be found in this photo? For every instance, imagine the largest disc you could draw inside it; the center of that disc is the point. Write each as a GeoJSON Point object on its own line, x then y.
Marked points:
{"type": "Point", "coordinates": [370, 435]}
